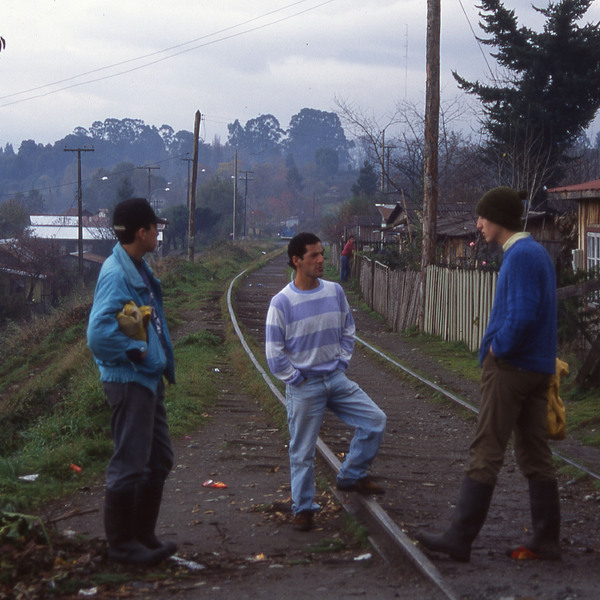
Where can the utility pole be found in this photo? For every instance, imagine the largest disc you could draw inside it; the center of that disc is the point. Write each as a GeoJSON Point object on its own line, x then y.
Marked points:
{"type": "Point", "coordinates": [235, 176]}
{"type": "Point", "coordinates": [245, 174]}
{"type": "Point", "coordinates": [192, 207]}
{"type": "Point", "coordinates": [189, 161]}
{"type": "Point", "coordinates": [150, 169]}
{"type": "Point", "coordinates": [79, 206]}
{"type": "Point", "coordinates": [430, 150]}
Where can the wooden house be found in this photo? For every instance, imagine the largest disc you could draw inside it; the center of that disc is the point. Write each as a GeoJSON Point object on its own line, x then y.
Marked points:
{"type": "Point", "coordinates": [587, 197]}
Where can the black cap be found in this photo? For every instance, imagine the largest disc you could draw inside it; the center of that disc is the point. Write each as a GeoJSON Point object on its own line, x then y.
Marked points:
{"type": "Point", "coordinates": [130, 215]}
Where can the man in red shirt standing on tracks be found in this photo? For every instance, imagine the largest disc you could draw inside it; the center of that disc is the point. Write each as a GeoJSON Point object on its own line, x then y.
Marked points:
{"type": "Point", "coordinates": [346, 259]}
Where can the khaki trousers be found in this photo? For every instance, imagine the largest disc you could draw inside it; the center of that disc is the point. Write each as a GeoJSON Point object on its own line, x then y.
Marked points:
{"type": "Point", "coordinates": [512, 400]}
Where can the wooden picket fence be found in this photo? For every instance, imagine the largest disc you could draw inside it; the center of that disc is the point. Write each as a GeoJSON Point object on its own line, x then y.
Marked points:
{"type": "Point", "coordinates": [458, 303]}
{"type": "Point", "coordinates": [457, 307]}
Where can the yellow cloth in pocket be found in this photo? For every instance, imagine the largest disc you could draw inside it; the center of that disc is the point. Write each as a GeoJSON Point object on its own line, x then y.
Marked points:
{"type": "Point", "coordinates": [134, 320]}
{"type": "Point", "coordinates": [557, 418]}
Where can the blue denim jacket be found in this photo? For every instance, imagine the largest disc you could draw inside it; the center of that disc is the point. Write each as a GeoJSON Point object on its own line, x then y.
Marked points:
{"type": "Point", "coordinates": [118, 283]}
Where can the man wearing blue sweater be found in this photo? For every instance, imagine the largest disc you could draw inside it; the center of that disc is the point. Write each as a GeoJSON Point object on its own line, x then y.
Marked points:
{"type": "Point", "coordinates": [309, 343]}
{"type": "Point", "coordinates": [518, 358]}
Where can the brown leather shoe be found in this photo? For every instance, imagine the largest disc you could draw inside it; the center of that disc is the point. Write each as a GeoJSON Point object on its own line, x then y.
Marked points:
{"type": "Point", "coordinates": [303, 521]}
{"type": "Point", "coordinates": [365, 486]}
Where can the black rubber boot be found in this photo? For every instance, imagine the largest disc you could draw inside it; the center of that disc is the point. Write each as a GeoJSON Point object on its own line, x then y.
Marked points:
{"type": "Point", "coordinates": [147, 507]}
{"type": "Point", "coordinates": [471, 510]}
{"type": "Point", "coordinates": [545, 519]}
{"type": "Point", "coordinates": [123, 546]}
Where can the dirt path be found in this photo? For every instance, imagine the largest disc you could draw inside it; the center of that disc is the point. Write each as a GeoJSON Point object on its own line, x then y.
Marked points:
{"type": "Point", "coordinates": [242, 534]}
{"type": "Point", "coordinates": [422, 462]}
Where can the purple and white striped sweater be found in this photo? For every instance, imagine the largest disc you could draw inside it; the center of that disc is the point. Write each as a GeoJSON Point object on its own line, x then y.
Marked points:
{"type": "Point", "coordinates": [309, 332]}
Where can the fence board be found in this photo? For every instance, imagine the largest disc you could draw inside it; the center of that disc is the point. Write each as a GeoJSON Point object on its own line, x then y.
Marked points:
{"type": "Point", "coordinates": [457, 303]}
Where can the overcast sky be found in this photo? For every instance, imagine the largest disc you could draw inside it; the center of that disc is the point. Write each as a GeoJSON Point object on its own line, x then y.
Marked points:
{"type": "Point", "coordinates": [69, 63]}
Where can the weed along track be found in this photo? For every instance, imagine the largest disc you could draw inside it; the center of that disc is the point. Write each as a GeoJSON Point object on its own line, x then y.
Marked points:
{"type": "Point", "coordinates": [422, 461]}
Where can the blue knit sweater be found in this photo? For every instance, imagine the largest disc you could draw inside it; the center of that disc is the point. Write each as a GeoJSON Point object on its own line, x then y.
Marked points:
{"type": "Point", "coordinates": [522, 326]}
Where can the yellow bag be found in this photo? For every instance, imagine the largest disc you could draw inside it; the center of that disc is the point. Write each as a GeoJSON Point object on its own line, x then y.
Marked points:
{"type": "Point", "coordinates": [557, 418]}
{"type": "Point", "coordinates": [134, 320]}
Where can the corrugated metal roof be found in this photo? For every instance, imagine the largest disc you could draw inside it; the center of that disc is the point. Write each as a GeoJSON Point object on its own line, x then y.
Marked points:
{"type": "Point", "coordinates": [578, 187]}
{"type": "Point", "coordinates": [72, 233]}
{"type": "Point", "coordinates": [50, 232]}
{"type": "Point", "coordinates": [392, 214]}
{"type": "Point", "coordinates": [21, 272]}
{"type": "Point", "coordinates": [589, 190]}
{"type": "Point", "coordinates": [53, 220]}
{"type": "Point", "coordinates": [90, 257]}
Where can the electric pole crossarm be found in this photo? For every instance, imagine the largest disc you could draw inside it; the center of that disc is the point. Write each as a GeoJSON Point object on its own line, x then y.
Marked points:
{"type": "Point", "coordinates": [150, 169]}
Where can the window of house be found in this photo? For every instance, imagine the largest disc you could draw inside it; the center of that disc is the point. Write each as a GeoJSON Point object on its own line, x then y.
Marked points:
{"type": "Point", "coordinates": [593, 251]}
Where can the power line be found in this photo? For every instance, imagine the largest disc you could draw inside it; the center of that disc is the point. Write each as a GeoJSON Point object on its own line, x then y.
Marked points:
{"type": "Point", "coordinates": [148, 64]}
{"type": "Point", "coordinates": [479, 45]}
{"type": "Point", "coordinates": [85, 181]}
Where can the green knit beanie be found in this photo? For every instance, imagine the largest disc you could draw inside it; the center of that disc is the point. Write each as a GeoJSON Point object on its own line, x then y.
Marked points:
{"type": "Point", "coordinates": [503, 206]}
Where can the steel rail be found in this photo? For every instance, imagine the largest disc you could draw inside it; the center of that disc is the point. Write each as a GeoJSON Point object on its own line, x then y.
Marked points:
{"type": "Point", "coordinates": [386, 524]}
{"type": "Point", "coordinates": [462, 402]}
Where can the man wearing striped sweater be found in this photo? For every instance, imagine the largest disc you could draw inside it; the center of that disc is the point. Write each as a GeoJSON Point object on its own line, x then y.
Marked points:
{"type": "Point", "coordinates": [309, 343]}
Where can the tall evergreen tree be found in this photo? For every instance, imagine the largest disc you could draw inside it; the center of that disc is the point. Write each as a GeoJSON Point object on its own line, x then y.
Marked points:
{"type": "Point", "coordinates": [367, 182]}
{"type": "Point", "coordinates": [549, 95]}
{"type": "Point", "coordinates": [293, 177]}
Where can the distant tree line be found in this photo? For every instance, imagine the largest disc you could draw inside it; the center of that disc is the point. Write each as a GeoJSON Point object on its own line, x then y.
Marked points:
{"type": "Point", "coordinates": [534, 115]}
{"type": "Point", "coordinates": [292, 172]}
{"type": "Point", "coordinates": [314, 137]}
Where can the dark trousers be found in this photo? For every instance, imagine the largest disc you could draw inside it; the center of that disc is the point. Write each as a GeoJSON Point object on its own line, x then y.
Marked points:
{"type": "Point", "coordinates": [512, 400]}
{"type": "Point", "coordinates": [142, 445]}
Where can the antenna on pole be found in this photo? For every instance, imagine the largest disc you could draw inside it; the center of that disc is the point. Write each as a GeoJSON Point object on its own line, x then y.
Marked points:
{"type": "Point", "coordinates": [406, 62]}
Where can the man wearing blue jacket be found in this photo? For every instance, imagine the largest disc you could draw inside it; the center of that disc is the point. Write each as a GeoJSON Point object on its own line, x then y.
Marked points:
{"type": "Point", "coordinates": [132, 372]}
{"type": "Point", "coordinates": [518, 358]}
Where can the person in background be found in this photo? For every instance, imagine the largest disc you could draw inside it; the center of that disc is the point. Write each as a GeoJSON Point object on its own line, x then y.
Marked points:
{"type": "Point", "coordinates": [346, 259]}
{"type": "Point", "coordinates": [518, 358]}
{"type": "Point", "coordinates": [309, 343]}
{"type": "Point", "coordinates": [132, 370]}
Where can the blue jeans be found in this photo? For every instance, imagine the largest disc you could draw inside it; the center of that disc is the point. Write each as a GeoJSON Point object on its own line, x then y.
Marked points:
{"type": "Point", "coordinates": [306, 405]}
{"type": "Point", "coordinates": [344, 268]}
{"type": "Point", "coordinates": [142, 445]}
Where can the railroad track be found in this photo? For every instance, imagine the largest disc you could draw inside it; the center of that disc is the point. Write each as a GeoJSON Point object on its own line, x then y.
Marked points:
{"type": "Point", "coordinates": [420, 482]}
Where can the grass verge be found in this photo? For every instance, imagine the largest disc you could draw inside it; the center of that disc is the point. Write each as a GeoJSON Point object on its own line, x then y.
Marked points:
{"type": "Point", "coordinates": [56, 425]}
